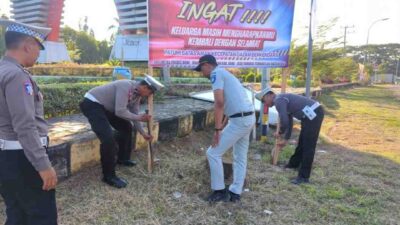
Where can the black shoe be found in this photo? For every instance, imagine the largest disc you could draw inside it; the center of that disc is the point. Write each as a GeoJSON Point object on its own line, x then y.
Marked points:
{"type": "Point", "coordinates": [129, 163]}
{"type": "Point", "coordinates": [115, 181]}
{"type": "Point", "coordinates": [218, 196]}
{"type": "Point", "coordinates": [289, 166]}
{"type": "Point", "coordinates": [234, 197]}
{"type": "Point", "coordinates": [300, 180]}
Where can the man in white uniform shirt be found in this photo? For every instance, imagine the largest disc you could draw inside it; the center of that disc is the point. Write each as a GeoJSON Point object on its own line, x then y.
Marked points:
{"type": "Point", "coordinates": [230, 99]}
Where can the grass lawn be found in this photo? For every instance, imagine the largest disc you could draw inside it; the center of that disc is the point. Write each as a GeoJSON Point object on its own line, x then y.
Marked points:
{"type": "Point", "coordinates": [365, 119]}
{"type": "Point", "coordinates": [355, 180]}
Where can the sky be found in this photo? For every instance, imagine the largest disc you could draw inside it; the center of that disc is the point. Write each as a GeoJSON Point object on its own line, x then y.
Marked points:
{"type": "Point", "coordinates": [358, 13]}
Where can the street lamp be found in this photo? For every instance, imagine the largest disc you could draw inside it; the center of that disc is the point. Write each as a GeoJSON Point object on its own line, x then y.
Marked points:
{"type": "Point", "coordinates": [369, 29]}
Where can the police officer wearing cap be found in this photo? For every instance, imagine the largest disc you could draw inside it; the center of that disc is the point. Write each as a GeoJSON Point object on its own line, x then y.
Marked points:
{"type": "Point", "coordinates": [115, 105]}
{"type": "Point", "coordinates": [27, 178]}
{"type": "Point", "coordinates": [230, 98]}
{"type": "Point", "coordinates": [311, 114]}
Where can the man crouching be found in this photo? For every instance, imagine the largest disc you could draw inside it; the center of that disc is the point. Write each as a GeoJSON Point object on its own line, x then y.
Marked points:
{"type": "Point", "coordinates": [115, 105]}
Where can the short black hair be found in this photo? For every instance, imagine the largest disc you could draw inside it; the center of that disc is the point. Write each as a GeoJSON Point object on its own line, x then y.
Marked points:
{"type": "Point", "coordinates": [14, 39]}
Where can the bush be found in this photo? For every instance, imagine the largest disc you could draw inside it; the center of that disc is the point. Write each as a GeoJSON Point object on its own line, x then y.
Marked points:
{"type": "Point", "coordinates": [299, 82]}
{"type": "Point", "coordinates": [99, 71]}
{"type": "Point", "coordinates": [42, 80]}
{"type": "Point", "coordinates": [63, 99]}
{"type": "Point", "coordinates": [191, 80]}
{"type": "Point", "coordinates": [276, 85]}
{"type": "Point", "coordinates": [250, 77]}
{"type": "Point", "coordinates": [73, 69]}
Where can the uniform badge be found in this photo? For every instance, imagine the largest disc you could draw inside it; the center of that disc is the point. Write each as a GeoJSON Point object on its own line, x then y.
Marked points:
{"type": "Point", "coordinates": [28, 88]}
{"type": "Point", "coordinates": [213, 78]}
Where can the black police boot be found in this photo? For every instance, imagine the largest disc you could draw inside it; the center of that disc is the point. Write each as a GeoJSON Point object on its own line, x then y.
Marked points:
{"type": "Point", "coordinates": [300, 180]}
{"type": "Point", "coordinates": [234, 197]}
{"type": "Point", "coordinates": [115, 181]}
{"type": "Point", "coordinates": [128, 163]}
{"type": "Point", "coordinates": [218, 196]}
{"type": "Point", "coordinates": [289, 166]}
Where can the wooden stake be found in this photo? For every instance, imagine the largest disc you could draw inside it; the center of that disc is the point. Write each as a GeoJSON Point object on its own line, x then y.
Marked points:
{"type": "Point", "coordinates": [150, 155]}
{"type": "Point", "coordinates": [277, 149]}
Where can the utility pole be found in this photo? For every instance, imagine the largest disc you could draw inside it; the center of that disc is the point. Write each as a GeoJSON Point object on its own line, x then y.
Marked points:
{"type": "Point", "coordinates": [397, 70]}
{"type": "Point", "coordinates": [310, 45]}
{"type": "Point", "coordinates": [265, 82]}
{"type": "Point", "coordinates": [345, 39]}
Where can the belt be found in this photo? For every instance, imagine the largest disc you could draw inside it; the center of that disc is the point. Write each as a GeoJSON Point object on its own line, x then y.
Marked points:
{"type": "Point", "coordinates": [16, 145]}
{"type": "Point", "coordinates": [242, 114]}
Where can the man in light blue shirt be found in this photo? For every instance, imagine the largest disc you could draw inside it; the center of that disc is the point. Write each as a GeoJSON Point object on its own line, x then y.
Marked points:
{"type": "Point", "coordinates": [230, 98]}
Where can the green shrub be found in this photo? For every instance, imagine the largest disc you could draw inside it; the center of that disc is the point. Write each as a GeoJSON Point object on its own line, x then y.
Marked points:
{"type": "Point", "coordinates": [189, 80]}
{"type": "Point", "coordinates": [64, 99]}
{"type": "Point", "coordinates": [42, 80]}
{"type": "Point", "coordinates": [113, 62]}
{"type": "Point", "coordinates": [299, 82]}
{"type": "Point", "coordinates": [72, 71]}
{"type": "Point", "coordinates": [250, 77]}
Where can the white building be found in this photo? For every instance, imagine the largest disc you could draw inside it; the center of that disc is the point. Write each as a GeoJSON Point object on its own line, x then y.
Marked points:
{"type": "Point", "coordinates": [132, 43]}
{"type": "Point", "coordinates": [45, 13]}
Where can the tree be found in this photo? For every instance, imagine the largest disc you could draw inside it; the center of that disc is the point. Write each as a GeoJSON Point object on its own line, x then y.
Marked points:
{"type": "Point", "coordinates": [116, 30]}
{"type": "Point", "coordinates": [385, 56]}
{"type": "Point", "coordinates": [85, 26]}
{"type": "Point", "coordinates": [87, 47]}
{"type": "Point", "coordinates": [104, 50]}
{"type": "Point", "coordinates": [320, 39]}
{"type": "Point", "coordinates": [344, 69]}
{"type": "Point", "coordinates": [84, 48]}
{"type": "Point", "coordinates": [91, 32]}
{"type": "Point", "coordinates": [298, 60]}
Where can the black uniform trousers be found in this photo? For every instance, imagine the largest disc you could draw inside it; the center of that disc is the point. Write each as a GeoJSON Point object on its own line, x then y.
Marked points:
{"type": "Point", "coordinates": [101, 122]}
{"type": "Point", "coordinates": [303, 156]}
{"type": "Point", "coordinates": [21, 188]}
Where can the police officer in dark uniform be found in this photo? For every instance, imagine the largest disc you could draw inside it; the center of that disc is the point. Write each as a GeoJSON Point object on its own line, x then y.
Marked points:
{"type": "Point", "coordinates": [311, 115]}
{"type": "Point", "coordinates": [27, 178]}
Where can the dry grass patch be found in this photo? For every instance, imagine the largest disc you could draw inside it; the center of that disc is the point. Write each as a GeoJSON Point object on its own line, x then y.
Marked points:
{"type": "Point", "coordinates": [349, 187]}
{"type": "Point", "coordinates": [366, 119]}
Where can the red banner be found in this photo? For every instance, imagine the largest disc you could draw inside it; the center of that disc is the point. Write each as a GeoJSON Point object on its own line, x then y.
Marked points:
{"type": "Point", "coordinates": [253, 33]}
